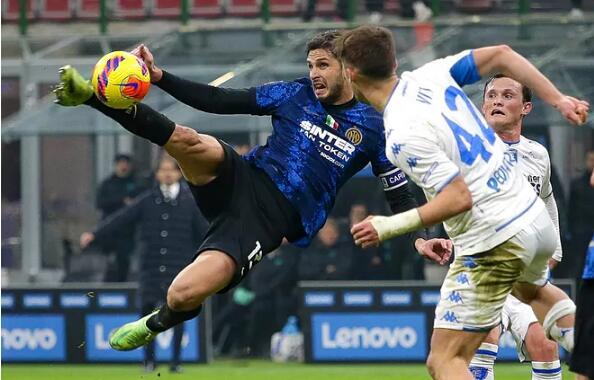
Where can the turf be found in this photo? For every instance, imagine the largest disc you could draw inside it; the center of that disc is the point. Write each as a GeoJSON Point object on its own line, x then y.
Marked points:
{"type": "Point", "coordinates": [242, 370]}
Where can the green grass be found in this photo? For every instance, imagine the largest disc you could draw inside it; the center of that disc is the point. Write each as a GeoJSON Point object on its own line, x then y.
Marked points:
{"type": "Point", "coordinates": [242, 370]}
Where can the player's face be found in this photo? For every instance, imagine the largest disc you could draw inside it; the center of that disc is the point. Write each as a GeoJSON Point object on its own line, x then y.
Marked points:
{"type": "Point", "coordinates": [503, 104]}
{"type": "Point", "coordinates": [168, 173]}
{"type": "Point", "coordinates": [327, 79]}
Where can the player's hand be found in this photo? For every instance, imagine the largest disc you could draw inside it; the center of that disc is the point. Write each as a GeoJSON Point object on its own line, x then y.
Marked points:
{"type": "Point", "coordinates": [86, 239]}
{"type": "Point", "coordinates": [553, 263]}
{"type": "Point", "coordinates": [143, 52]}
{"type": "Point", "coordinates": [436, 250]}
{"type": "Point", "coordinates": [365, 234]}
{"type": "Point", "coordinates": [573, 110]}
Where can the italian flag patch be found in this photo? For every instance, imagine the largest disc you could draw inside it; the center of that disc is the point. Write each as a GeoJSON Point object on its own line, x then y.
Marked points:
{"type": "Point", "coordinates": [331, 122]}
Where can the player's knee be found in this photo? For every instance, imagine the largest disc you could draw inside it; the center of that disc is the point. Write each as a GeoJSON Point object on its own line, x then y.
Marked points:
{"type": "Point", "coordinates": [433, 364]}
{"type": "Point", "coordinates": [539, 347]}
{"type": "Point", "coordinates": [181, 297]}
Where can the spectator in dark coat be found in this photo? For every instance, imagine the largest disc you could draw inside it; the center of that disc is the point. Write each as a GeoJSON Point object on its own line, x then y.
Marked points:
{"type": "Point", "coordinates": [329, 257]}
{"type": "Point", "coordinates": [115, 192]}
{"type": "Point", "coordinates": [581, 212]}
{"type": "Point", "coordinates": [171, 229]}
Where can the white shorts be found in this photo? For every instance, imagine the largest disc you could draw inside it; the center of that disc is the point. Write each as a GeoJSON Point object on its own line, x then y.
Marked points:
{"type": "Point", "coordinates": [476, 286]}
{"type": "Point", "coordinates": [516, 318]}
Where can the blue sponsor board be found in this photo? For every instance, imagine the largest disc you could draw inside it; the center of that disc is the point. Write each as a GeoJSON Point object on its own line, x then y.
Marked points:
{"type": "Point", "coordinates": [370, 336]}
{"type": "Point", "coordinates": [319, 299]}
{"type": "Point", "coordinates": [99, 326]}
{"type": "Point", "coordinates": [358, 298]}
{"type": "Point", "coordinates": [396, 298]}
{"type": "Point", "coordinates": [33, 337]}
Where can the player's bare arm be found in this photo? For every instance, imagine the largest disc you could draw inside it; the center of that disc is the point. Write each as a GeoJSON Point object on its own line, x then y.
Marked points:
{"type": "Point", "coordinates": [505, 60]}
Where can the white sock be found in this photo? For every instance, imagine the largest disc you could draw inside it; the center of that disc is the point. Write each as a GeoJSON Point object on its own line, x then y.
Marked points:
{"type": "Point", "coordinates": [546, 370]}
{"type": "Point", "coordinates": [564, 336]}
{"type": "Point", "coordinates": [482, 362]}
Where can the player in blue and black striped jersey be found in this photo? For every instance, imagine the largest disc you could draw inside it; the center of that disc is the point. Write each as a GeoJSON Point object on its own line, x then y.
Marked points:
{"type": "Point", "coordinates": [284, 189]}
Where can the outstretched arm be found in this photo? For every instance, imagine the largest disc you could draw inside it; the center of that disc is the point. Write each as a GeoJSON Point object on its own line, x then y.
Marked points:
{"type": "Point", "coordinates": [201, 96]}
{"type": "Point", "coordinates": [504, 59]}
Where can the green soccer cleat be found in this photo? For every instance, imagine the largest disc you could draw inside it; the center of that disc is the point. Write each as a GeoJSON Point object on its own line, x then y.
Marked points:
{"type": "Point", "coordinates": [73, 89]}
{"type": "Point", "coordinates": [132, 335]}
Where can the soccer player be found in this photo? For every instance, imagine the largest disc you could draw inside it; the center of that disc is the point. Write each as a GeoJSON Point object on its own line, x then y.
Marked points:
{"type": "Point", "coordinates": [505, 104]}
{"type": "Point", "coordinates": [285, 189]}
{"type": "Point", "coordinates": [500, 228]}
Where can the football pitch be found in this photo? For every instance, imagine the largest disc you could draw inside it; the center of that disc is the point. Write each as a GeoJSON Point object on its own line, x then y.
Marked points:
{"type": "Point", "coordinates": [244, 370]}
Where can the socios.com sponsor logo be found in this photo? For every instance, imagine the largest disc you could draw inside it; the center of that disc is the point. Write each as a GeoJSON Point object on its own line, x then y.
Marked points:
{"type": "Point", "coordinates": [319, 299]}
{"type": "Point", "coordinates": [7, 301]}
{"type": "Point", "coordinates": [33, 337]}
{"type": "Point", "coordinates": [113, 300]}
{"type": "Point", "coordinates": [100, 326]}
{"type": "Point", "coordinates": [364, 298]}
{"type": "Point", "coordinates": [396, 298]}
{"type": "Point", "coordinates": [368, 336]}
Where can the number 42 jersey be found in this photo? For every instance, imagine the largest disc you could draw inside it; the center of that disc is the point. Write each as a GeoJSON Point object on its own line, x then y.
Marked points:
{"type": "Point", "coordinates": [434, 133]}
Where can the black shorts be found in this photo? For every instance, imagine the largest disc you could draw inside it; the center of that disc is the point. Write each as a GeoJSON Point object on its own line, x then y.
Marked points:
{"type": "Point", "coordinates": [583, 351]}
{"type": "Point", "coordinates": [248, 215]}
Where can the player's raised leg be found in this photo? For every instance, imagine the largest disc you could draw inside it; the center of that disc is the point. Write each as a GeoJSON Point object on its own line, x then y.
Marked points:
{"type": "Point", "coordinates": [199, 157]}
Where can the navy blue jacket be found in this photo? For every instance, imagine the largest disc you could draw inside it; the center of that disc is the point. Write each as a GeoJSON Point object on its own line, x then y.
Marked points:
{"type": "Point", "coordinates": [170, 233]}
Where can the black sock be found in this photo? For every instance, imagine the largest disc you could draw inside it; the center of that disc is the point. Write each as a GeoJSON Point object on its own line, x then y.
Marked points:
{"type": "Point", "coordinates": [167, 318]}
{"type": "Point", "coordinates": [140, 119]}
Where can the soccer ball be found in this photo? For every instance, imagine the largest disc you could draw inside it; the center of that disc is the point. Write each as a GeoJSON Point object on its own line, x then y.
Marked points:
{"type": "Point", "coordinates": [120, 80]}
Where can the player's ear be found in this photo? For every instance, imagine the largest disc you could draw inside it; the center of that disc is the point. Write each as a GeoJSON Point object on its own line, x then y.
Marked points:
{"type": "Point", "coordinates": [526, 108]}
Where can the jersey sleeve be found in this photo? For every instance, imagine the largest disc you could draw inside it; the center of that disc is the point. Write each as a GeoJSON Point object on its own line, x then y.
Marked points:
{"type": "Point", "coordinates": [422, 159]}
{"type": "Point", "coordinates": [547, 189]}
{"type": "Point", "coordinates": [390, 176]}
{"type": "Point", "coordinates": [270, 96]}
{"type": "Point", "coordinates": [461, 68]}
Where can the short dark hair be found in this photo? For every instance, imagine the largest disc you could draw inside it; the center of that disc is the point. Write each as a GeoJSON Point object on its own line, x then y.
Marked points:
{"type": "Point", "coordinates": [371, 49]}
{"type": "Point", "coordinates": [122, 157]}
{"type": "Point", "coordinates": [324, 40]}
{"type": "Point", "coordinates": [526, 92]}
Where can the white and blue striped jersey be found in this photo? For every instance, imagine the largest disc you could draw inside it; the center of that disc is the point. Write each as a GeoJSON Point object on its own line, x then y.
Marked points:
{"type": "Point", "coordinates": [434, 133]}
